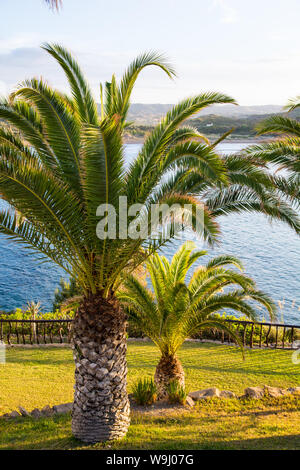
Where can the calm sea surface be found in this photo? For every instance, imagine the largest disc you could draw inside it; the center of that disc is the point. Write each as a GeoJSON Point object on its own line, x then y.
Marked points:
{"type": "Point", "coordinates": [271, 255]}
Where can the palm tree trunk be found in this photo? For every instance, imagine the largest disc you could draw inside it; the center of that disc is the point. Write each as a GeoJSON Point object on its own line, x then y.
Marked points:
{"type": "Point", "coordinates": [169, 368]}
{"type": "Point", "coordinates": [101, 407]}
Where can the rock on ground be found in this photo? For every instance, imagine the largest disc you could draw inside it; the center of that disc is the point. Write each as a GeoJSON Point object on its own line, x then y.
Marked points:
{"type": "Point", "coordinates": [62, 409]}
{"type": "Point", "coordinates": [254, 392]}
{"type": "Point", "coordinates": [36, 413]}
{"type": "Point", "coordinates": [294, 390]}
{"type": "Point", "coordinates": [227, 394]}
{"type": "Point", "coordinates": [23, 412]}
{"type": "Point", "coordinates": [190, 402]}
{"type": "Point", "coordinates": [14, 414]}
{"type": "Point", "coordinates": [47, 411]}
{"type": "Point", "coordinates": [275, 392]}
{"type": "Point", "coordinates": [205, 394]}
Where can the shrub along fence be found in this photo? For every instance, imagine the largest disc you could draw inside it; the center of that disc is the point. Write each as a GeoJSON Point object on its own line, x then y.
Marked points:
{"type": "Point", "coordinates": [270, 335]}
{"type": "Point", "coordinates": [260, 334]}
{"type": "Point", "coordinates": [35, 331]}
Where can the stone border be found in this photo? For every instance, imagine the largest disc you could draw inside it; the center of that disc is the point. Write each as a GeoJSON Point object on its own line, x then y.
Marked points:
{"type": "Point", "coordinates": [254, 393]}
{"type": "Point", "coordinates": [47, 411]}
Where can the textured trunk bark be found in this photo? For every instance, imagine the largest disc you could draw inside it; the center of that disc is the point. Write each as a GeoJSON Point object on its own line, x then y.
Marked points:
{"type": "Point", "coordinates": [101, 407]}
{"type": "Point", "coordinates": [169, 368]}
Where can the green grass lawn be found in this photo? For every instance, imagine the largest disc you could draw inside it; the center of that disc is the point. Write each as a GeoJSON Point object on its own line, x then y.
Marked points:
{"type": "Point", "coordinates": [37, 377]}
{"type": "Point", "coordinates": [267, 424]}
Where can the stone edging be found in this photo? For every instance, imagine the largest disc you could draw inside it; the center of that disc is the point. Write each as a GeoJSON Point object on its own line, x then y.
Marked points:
{"type": "Point", "coordinates": [254, 393]}
{"type": "Point", "coordinates": [47, 411]}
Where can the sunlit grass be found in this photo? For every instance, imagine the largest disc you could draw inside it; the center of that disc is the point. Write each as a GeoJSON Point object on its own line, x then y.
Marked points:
{"type": "Point", "coordinates": [268, 424]}
{"type": "Point", "coordinates": [37, 377]}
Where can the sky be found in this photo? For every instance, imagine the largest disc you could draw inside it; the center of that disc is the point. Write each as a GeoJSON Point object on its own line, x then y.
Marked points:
{"type": "Point", "coordinates": [249, 49]}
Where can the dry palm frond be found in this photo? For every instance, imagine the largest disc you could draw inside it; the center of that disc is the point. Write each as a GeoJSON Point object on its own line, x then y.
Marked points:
{"type": "Point", "coordinates": [54, 4]}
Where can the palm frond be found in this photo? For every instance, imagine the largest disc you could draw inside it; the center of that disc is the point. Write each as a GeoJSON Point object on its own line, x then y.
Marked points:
{"type": "Point", "coordinates": [62, 127]}
{"type": "Point", "coordinates": [279, 125]}
{"type": "Point", "coordinates": [130, 76]}
{"type": "Point", "coordinates": [174, 311]}
{"type": "Point", "coordinates": [293, 104]}
{"type": "Point", "coordinates": [85, 103]}
{"type": "Point", "coordinates": [60, 162]}
{"type": "Point", "coordinates": [54, 4]}
{"type": "Point", "coordinates": [150, 161]}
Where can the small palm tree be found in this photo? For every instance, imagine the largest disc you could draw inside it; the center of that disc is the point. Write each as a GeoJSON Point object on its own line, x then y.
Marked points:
{"type": "Point", "coordinates": [61, 161]}
{"type": "Point", "coordinates": [175, 310]}
{"type": "Point", "coordinates": [34, 309]}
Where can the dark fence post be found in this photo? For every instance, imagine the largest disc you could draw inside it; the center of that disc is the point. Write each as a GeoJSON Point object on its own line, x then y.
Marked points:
{"type": "Point", "coordinates": [244, 335]}
{"type": "Point", "coordinates": [23, 335]}
{"type": "Point", "coordinates": [37, 332]}
{"type": "Point", "coordinates": [283, 338]}
{"type": "Point", "coordinates": [9, 333]}
{"type": "Point", "coordinates": [267, 337]}
{"type": "Point", "coordinates": [17, 333]}
{"type": "Point", "coordinates": [251, 337]}
{"type": "Point", "coordinates": [260, 336]}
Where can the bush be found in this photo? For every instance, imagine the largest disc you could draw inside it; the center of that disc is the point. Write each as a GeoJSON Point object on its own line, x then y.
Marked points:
{"type": "Point", "coordinates": [65, 291]}
{"type": "Point", "coordinates": [176, 393]}
{"type": "Point", "coordinates": [134, 331]}
{"type": "Point", "coordinates": [144, 392]}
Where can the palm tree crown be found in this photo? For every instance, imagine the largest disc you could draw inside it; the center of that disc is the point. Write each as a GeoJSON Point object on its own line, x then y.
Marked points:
{"type": "Point", "coordinates": [175, 309]}
{"type": "Point", "coordinates": [60, 161]}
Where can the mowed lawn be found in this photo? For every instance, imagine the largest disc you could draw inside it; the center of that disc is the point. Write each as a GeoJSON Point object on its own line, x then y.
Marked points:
{"type": "Point", "coordinates": [37, 377]}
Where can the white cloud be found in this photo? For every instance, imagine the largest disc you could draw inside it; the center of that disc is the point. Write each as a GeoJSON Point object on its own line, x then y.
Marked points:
{"type": "Point", "coordinates": [3, 88]}
{"type": "Point", "coordinates": [228, 13]}
{"type": "Point", "coordinates": [8, 44]}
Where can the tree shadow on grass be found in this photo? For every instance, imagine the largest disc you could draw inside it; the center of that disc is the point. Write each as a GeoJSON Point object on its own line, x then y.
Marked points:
{"type": "Point", "coordinates": [288, 442]}
{"type": "Point", "coordinates": [55, 434]}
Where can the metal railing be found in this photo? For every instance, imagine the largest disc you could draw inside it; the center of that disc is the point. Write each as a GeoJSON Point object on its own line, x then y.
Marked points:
{"type": "Point", "coordinates": [270, 335]}
{"type": "Point", "coordinates": [35, 331]}
{"type": "Point", "coordinates": [261, 334]}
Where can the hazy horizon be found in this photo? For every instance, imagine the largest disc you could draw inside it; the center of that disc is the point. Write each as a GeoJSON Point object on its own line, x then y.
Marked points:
{"type": "Point", "coordinates": [247, 49]}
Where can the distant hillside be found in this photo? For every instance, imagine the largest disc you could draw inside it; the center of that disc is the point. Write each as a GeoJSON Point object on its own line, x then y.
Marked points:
{"type": "Point", "coordinates": [213, 125]}
{"type": "Point", "coordinates": [151, 113]}
{"type": "Point", "coordinates": [213, 121]}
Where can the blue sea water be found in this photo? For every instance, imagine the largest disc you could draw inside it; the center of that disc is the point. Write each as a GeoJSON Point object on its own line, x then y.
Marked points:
{"type": "Point", "coordinates": [270, 253]}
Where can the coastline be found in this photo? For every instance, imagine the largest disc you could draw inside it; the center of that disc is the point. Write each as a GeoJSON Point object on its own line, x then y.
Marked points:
{"type": "Point", "coordinates": [237, 140]}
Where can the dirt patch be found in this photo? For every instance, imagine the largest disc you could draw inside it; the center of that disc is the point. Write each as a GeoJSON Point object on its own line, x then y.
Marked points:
{"type": "Point", "coordinates": [159, 408]}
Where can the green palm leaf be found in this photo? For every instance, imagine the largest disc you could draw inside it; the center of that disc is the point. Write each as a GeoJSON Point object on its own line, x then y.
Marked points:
{"type": "Point", "coordinates": [172, 311]}
{"type": "Point", "coordinates": [85, 103]}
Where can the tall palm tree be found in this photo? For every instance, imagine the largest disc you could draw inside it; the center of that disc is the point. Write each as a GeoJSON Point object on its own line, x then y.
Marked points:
{"type": "Point", "coordinates": [174, 309]}
{"type": "Point", "coordinates": [61, 161]}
